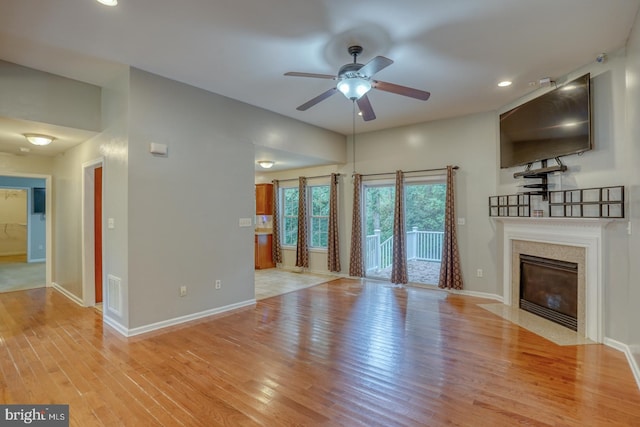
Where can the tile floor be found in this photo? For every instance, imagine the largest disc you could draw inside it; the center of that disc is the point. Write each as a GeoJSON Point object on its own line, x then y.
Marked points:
{"type": "Point", "coordinates": [273, 281]}
{"type": "Point", "coordinates": [545, 328]}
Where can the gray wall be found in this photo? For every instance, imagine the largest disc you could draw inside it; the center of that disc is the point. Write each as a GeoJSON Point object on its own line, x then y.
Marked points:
{"type": "Point", "coordinates": [184, 209]}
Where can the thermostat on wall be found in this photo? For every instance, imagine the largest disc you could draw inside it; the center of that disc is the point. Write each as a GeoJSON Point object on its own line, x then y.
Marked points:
{"type": "Point", "coordinates": [158, 149]}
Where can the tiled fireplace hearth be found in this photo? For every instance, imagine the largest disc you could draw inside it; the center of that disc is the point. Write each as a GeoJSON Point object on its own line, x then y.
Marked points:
{"type": "Point", "coordinates": [575, 240]}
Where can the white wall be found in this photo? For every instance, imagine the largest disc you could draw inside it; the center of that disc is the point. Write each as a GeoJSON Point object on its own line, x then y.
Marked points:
{"type": "Point", "coordinates": [632, 152]}
{"type": "Point", "coordinates": [38, 96]}
{"type": "Point", "coordinates": [13, 221]}
{"type": "Point", "coordinates": [67, 215]}
{"type": "Point", "coordinates": [113, 142]}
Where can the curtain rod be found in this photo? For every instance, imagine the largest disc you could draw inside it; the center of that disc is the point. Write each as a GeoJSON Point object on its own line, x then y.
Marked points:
{"type": "Point", "coordinates": [423, 170]}
{"type": "Point", "coordinates": [308, 177]}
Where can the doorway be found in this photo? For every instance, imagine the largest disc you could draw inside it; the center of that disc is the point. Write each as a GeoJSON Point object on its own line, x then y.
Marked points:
{"type": "Point", "coordinates": [92, 233]}
{"type": "Point", "coordinates": [424, 208]}
{"type": "Point", "coordinates": [25, 236]}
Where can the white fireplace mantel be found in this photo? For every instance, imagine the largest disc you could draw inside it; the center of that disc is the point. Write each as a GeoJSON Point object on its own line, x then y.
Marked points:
{"type": "Point", "coordinates": [587, 233]}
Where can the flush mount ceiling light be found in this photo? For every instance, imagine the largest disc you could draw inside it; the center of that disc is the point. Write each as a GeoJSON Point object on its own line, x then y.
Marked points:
{"type": "Point", "coordinates": [37, 139]}
{"type": "Point", "coordinates": [266, 164]}
{"type": "Point", "coordinates": [108, 2]}
{"type": "Point", "coordinates": [504, 83]}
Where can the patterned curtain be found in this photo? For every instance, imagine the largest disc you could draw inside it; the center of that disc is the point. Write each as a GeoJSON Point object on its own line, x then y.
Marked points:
{"type": "Point", "coordinates": [356, 263]}
{"type": "Point", "coordinates": [276, 248]}
{"type": "Point", "coordinates": [399, 267]}
{"type": "Point", "coordinates": [450, 272]}
{"type": "Point", "coordinates": [333, 242]}
{"type": "Point", "coordinates": [302, 250]}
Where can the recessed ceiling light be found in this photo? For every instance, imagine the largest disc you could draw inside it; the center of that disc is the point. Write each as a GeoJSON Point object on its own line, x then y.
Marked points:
{"type": "Point", "coordinates": [504, 83]}
{"type": "Point", "coordinates": [108, 2]}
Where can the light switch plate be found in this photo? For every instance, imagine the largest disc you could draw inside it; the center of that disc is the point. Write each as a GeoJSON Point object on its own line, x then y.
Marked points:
{"type": "Point", "coordinates": [245, 222]}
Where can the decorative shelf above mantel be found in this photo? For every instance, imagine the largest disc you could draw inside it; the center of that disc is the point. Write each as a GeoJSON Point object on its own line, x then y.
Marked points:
{"type": "Point", "coordinates": [556, 221]}
{"type": "Point", "coordinates": [580, 203]}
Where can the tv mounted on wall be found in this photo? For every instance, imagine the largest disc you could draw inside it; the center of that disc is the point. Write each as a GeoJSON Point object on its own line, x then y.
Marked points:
{"type": "Point", "coordinates": [553, 125]}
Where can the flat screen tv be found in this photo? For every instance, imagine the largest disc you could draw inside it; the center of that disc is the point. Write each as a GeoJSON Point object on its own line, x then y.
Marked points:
{"type": "Point", "coordinates": [553, 125]}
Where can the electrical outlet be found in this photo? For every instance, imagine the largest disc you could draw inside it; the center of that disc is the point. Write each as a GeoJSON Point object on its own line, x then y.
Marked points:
{"type": "Point", "coordinates": [183, 291]}
{"type": "Point", "coordinates": [479, 272]}
{"type": "Point", "coordinates": [218, 284]}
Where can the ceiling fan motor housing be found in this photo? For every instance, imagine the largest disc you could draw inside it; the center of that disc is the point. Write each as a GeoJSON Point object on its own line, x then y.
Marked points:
{"type": "Point", "coordinates": [349, 71]}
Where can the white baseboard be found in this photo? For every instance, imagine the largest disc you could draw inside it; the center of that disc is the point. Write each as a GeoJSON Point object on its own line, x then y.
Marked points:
{"type": "Point", "coordinates": [67, 294]}
{"type": "Point", "coordinates": [183, 319]}
{"type": "Point", "coordinates": [477, 294]}
{"type": "Point", "coordinates": [628, 351]}
{"type": "Point", "coordinates": [120, 328]}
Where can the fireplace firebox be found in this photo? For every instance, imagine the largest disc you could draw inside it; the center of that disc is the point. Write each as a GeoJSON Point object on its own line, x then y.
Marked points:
{"type": "Point", "coordinates": [549, 288]}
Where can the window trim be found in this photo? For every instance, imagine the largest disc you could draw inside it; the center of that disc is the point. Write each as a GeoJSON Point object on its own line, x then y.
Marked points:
{"type": "Point", "coordinates": [281, 200]}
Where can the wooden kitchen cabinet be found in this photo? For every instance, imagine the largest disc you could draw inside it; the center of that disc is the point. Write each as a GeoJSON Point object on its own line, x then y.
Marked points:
{"type": "Point", "coordinates": [264, 199]}
{"type": "Point", "coordinates": [263, 257]}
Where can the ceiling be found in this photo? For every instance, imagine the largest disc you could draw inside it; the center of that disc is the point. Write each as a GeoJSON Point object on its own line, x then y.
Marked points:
{"type": "Point", "coordinates": [456, 49]}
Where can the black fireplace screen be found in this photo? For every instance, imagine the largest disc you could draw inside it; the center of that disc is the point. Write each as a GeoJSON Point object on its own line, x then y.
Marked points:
{"type": "Point", "coordinates": [549, 288]}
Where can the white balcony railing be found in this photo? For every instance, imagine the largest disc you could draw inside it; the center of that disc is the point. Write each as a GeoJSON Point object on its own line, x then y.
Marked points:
{"type": "Point", "coordinates": [421, 246]}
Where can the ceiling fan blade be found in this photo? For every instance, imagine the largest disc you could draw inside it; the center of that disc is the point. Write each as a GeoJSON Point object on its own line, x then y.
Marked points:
{"type": "Point", "coordinates": [401, 90]}
{"type": "Point", "coordinates": [365, 108]}
{"type": "Point", "coordinates": [317, 99]}
{"type": "Point", "coordinates": [313, 75]}
{"type": "Point", "coordinates": [376, 64]}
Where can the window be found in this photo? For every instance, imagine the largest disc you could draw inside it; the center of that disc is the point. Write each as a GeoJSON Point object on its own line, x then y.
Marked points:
{"type": "Point", "coordinates": [289, 216]}
{"type": "Point", "coordinates": [317, 213]}
{"type": "Point", "coordinates": [319, 216]}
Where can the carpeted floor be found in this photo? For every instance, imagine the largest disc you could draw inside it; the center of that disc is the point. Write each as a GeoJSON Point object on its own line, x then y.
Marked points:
{"type": "Point", "coordinates": [19, 276]}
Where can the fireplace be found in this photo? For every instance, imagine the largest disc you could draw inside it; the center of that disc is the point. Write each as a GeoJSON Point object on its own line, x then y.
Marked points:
{"type": "Point", "coordinates": [577, 240]}
{"type": "Point", "coordinates": [549, 288]}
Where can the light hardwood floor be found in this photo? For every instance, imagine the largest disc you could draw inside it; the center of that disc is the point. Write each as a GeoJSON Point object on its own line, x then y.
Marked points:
{"type": "Point", "coordinates": [346, 352]}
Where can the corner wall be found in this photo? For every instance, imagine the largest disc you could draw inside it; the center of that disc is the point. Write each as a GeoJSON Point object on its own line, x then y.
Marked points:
{"type": "Point", "coordinates": [633, 159]}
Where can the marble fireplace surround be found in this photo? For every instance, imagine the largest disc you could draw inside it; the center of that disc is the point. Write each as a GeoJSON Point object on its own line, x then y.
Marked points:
{"type": "Point", "coordinates": [578, 240]}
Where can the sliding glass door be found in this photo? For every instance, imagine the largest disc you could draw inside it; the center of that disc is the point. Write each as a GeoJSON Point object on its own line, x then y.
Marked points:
{"type": "Point", "coordinates": [424, 223]}
{"type": "Point", "coordinates": [378, 220]}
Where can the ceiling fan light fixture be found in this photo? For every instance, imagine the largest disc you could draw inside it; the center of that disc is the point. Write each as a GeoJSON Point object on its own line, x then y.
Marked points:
{"type": "Point", "coordinates": [38, 139]}
{"type": "Point", "coordinates": [354, 87]}
{"type": "Point", "coordinates": [266, 164]}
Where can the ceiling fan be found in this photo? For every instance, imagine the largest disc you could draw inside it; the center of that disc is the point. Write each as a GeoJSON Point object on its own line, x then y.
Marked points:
{"type": "Point", "coordinates": [355, 80]}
